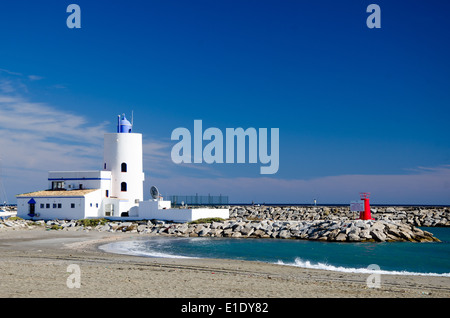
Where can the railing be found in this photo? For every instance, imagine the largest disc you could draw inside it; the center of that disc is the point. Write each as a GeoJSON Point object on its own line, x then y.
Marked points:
{"type": "Point", "coordinates": [197, 199]}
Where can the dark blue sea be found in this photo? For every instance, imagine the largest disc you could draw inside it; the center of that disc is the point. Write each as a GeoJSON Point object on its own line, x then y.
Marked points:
{"type": "Point", "coordinates": [392, 258]}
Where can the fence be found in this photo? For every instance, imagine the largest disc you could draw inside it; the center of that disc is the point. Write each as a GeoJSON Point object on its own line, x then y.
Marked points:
{"type": "Point", "coordinates": [197, 199]}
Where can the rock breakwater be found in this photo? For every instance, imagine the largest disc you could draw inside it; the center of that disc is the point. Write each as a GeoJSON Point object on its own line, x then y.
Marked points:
{"type": "Point", "coordinates": [333, 231]}
{"type": "Point", "coordinates": [416, 216]}
{"type": "Point", "coordinates": [321, 230]}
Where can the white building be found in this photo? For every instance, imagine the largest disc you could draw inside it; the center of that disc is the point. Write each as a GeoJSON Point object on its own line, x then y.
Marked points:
{"type": "Point", "coordinates": [116, 192]}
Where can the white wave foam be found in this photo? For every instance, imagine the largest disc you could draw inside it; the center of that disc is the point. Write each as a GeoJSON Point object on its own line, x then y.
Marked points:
{"type": "Point", "coordinates": [134, 248]}
{"type": "Point", "coordinates": [307, 264]}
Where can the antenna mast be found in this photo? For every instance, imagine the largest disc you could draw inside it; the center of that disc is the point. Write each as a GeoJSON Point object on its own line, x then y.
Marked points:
{"type": "Point", "coordinates": [3, 196]}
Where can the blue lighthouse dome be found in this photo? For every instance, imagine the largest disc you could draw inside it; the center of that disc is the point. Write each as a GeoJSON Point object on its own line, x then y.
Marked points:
{"type": "Point", "coordinates": [124, 126]}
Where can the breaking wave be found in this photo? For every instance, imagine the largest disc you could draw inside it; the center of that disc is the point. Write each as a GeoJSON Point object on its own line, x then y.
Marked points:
{"type": "Point", "coordinates": [135, 248]}
{"type": "Point", "coordinates": [307, 264]}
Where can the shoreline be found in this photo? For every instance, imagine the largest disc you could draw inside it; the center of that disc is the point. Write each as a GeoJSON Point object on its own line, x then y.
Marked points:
{"type": "Point", "coordinates": [123, 249]}
{"type": "Point", "coordinates": [34, 264]}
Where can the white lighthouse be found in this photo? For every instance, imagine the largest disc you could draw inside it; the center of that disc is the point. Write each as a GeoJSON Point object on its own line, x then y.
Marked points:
{"type": "Point", "coordinates": [122, 155]}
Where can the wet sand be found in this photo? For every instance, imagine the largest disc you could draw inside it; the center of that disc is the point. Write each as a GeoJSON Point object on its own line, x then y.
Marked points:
{"type": "Point", "coordinates": [33, 263]}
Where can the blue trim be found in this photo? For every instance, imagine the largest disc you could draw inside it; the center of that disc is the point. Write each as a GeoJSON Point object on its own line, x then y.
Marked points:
{"type": "Point", "coordinates": [63, 179]}
{"type": "Point", "coordinates": [31, 201]}
{"type": "Point", "coordinates": [59, 197]}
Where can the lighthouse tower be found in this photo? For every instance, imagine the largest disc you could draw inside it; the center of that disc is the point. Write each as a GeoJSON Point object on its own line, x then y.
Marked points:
{"type": "Point", "coordinates": [123, 157]}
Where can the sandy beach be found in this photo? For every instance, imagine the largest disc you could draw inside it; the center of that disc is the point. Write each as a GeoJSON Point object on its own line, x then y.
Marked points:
{"type": "Point", "coordinates": [34, 263]}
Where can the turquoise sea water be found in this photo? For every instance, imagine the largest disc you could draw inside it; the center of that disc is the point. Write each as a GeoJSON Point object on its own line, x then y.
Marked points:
{"type": "Point", "coordinates": [392, 258]}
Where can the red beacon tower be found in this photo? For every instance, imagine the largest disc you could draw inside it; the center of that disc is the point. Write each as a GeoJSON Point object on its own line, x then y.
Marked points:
{"type": "Point", "coordinates": [365, 215]}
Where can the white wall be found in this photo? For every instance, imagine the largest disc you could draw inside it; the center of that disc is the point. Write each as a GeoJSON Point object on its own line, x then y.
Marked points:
{"type": "Point", "coordinates": [81, 210]}
{"type": "Point", "coordinates": [93, 204]}
{"type": "Point", "coordinates": [51, 213]}
{"type": "Point", "coordinates": [149, 210]}
{"type": "Point", "coordinates": [89, 179]}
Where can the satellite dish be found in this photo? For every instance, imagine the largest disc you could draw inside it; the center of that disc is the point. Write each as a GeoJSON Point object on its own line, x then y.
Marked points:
{"type": "Point", "coordinates": [154, 192]}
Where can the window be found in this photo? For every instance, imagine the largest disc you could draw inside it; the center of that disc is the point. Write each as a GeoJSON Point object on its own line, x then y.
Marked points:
{"type": "Point", "coordinates": [107, 193]}
{"type": "Point", "coordinates": [72, 205]}
{"type": "Point", "coordinates": [42, 205]}
{"type": "Point", "coordinates": [54, 205]}
{"type": "Point", "coordinates": [57, 185]}
{"type": "Point", "coordinates": [47, 205]}
{"type": "Point", "coordinates": [96, 205]}
{"type": "Point", "coordinates": [91, 205]}
{"type": "Point", "coordinates": [123, 167]}
{"type": "Point", "coordinates": [104, 166]}
{"type": "Point", "coordinates": [59, 205]}
{"type": "Point", "coordinates": [123, 187]}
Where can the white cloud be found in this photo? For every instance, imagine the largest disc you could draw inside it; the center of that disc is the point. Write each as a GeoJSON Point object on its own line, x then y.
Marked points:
{"type": "Point", "coordinates": [36, 137]}
{"type": "Point", "coordinates": [6, 86]}
{"type": "Point", "coordinates": [35, 77]}
{"type": "Point", "coordinates": [2, 70]}
{"type": "Point", "coordinates": [20, 115]}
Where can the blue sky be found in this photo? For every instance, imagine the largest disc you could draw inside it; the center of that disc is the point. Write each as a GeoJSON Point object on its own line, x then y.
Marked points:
{"type": "Point", "coordinates": [358, 109]}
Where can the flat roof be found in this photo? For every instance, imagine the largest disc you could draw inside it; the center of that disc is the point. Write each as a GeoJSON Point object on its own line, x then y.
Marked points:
{"type": "Point", "coordinates": [57, 193]}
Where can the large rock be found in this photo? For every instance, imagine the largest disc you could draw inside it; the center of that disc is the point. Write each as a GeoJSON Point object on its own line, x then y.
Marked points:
{"type": "Point", "coordinates": [284, 234]}
{"type": "Point", "coordinates": [100, 228]}
{"type": "Point", "coordinates": [333, 234]}
{"type": "Point", "coordinates": [365, 235]}
{"type": "Point", "coordinates": [198, 228]}
{"type": "Point", "coordinates": [352, 237]}
{"type": "Point", "coordinates": [182, 228]}
{"type": "Point", "coordinates": [204, 232]}
{"type": "Point", "coordinates": [236, 234]}
{"type": "Point", "coordinates": [378, 235]}
{"type": "Point", "coordinates": [217, 225]}
{"type": "Point", "coordinates": [216, 232]}
{"type": "Point", "coordinates": [341, 237]}
{"type": "Point", "coordinates": [378, 225]}
{"type": "Point", "coordinates": [246, 230]}
{"type": "Point", "coordinates": [260, 234]}
{"type": "Point", "coordinates": [353, 230]}
{"type": "Point", "coordinates": [227, 232]}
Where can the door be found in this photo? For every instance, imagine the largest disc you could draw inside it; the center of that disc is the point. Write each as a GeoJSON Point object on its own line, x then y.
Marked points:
{"type": "Point", "coordinates": [31, 207]}
{"type": "Point", "coordinates": [109, 209]}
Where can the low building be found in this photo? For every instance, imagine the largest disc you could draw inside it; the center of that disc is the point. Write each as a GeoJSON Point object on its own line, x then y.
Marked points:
{"type": "Point", "coordinates": [60, 204]}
